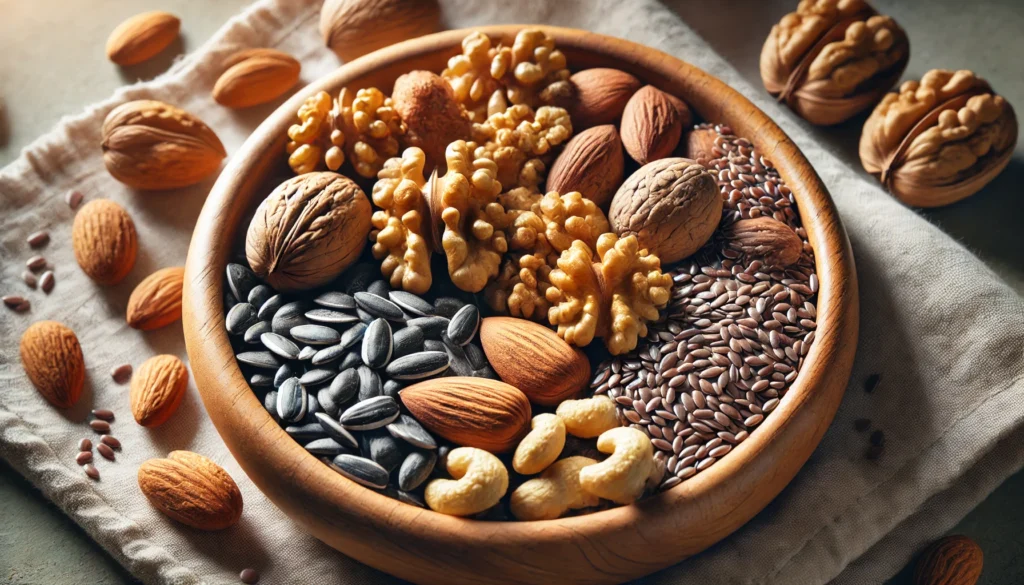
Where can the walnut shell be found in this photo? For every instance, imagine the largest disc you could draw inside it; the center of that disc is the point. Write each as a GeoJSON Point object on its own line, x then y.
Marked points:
{"type": "Point", "coordinates": [429, 109]}
{"type": "Point", "coordinates": [831, 59]}
{"type": "Point", "coordinates": [671, 205]}
{"type": "Point", "coordinates": [939, 140]}
{"type": "Point", "coordinates": [308, 231]}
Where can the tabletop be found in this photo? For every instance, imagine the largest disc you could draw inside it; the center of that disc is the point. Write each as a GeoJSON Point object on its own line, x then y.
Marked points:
{"type": "Point", "coordinates": [52, 64]}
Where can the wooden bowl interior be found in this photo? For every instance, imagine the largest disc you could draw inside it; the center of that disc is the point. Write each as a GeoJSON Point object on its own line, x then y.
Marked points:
{"type": "Point", "coordinates": [427, 547]}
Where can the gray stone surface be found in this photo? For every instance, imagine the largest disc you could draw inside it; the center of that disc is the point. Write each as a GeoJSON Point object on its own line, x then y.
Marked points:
{"type": "Point", "coordinates": [52, 64]}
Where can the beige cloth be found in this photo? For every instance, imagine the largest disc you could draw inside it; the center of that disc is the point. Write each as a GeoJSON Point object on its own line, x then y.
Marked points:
{"type": "Point", "coordinates": [945, 334]}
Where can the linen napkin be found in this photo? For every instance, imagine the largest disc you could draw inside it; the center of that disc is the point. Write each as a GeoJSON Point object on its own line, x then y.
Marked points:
{"type": "Point", "coordinates": [944, 335]}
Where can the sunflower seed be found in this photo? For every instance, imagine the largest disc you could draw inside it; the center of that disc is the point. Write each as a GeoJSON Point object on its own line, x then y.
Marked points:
{"type": "Point", "coordinates": [372, 413]}
{"type": "Point", "coordinates": [352, 335]}
{"type": "Point", "coordinates": [391, 388]}
{"type": "Point", "coordinates": [379, 306]}
{"type": "Point", "coordinates": [333, 429]}
{"type": "Point", "coordinates": [432, 327]}
{"type": "Point", "coordinates": [382, 448]}
{"type": "Point", "coordinates": [377, 344]}
{"type": "Point", "coordinates": [406, 341]}
{"type": "Point", "coordinates": [457, 360]}
{"type": "Point", "coordinates": [411, 431]}
{"type": "Point", "coordinates": [330, 316]}
{"type": "Point", "coordinates": [409, 498]}
{"type": "Point", "coordinates": [261, 381]}
{"type": "Point", "coordinates": [325, 446]}
{"type": "Point", "coordinates": [369, 383]}
{"type": "Point", "coordinates": [328, 355]}
{"type": "Point", "coordinates": [475, 355]}
{"type": "Point", "coordinates": [360, 276]}
{"type": "Point", "coordinates": [291, 401]}
{"type": "Point", "coordinates": [411, 303]}
{"type": "Point", "coordinates": [315, 334]}
{"type": "Point", "coordinates": [259, 359]}
{"type": "Point", "coordinates": [364, 316]}
{"type": "Point", "coordinates": [253, 333]}
{"type": "Point", "coordinates": [316, 376]}
{"type": "Point", "coordinates": [433, 345]}
{"type": "Point", "coordinates": [361, 470]}
{"type": "Point", "coordinates": [447, 306]}
{"type": "Point", "coordinates": [307, 353]}
{"type": "Point", "coordinates": [305, 431]}
{"type": "Point", "coordinates": [336, 300]}
{"type": "Point", "coordinates": [280, 345]}
{"type": "Point", "coordinates": [415, 469]}
{"type": "Point", "coordinates": [46, 281]}
{"type": "Point", "coordinates": [287, 318]}
{"type": "Point", "coordinates": [352, 360]}
{"type": "Point", "coordinates": [463, 326]}
{"type": "Point", "coordinates": [270, 403]}
{"type": "Point", "coordinates": [270, 307]}
{"type": "Point", "coordinates": [241, 280]}
{"type": "Point", "coordinates": [379, 288]}
{"type": "Point", "coordinates": [239, 318]}
{"type": "Point", "coordinates": [418, 365]}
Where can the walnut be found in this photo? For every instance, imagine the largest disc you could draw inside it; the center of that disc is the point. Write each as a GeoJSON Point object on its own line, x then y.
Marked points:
{"type": "Point", "coordinates": [401, 225]}
{"type": "Point", "coordinates": [833, 58]}
{"type": "Point", "coordinates": [520, 141]}
{"type": "Point", "coordinates": [474, 220]}
{"type": "Point", "coordinates": [521, 287]}
{"type": "Point", "coordinates": [612, 296]}
{"type": "Point", "coordinates": [939, 140]}
{"type": "Point", "coordinates": [362, 126]}
{"type": "Point", "coordinates": [485, 78]}
{"type": "Point", "coordinates": [671, 205]}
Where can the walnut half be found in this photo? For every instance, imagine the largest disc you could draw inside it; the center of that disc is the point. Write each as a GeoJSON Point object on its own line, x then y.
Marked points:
{"type": "Point", "coordinates": [402, 224]}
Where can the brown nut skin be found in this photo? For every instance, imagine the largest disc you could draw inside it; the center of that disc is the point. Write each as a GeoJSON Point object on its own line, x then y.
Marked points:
{"type": "Point", "coordinates": [940, 139]}
{"type": "Point", "coordinates": [191, 489]}
{"type": "Point", "coordinates": [104, 240]}
{"type": "Point", "coordinates": [308, 231]}
{"type": "Point", "coordinates": [671, 205]}
{"type": "Point", "coordinates": [427, 104]}
{"type": "Point", "coordinates": [591, 163]}
{"type": "Point", "coordinates": [652, 124]}
{"type": "Point", "coordinates": [52, 358]}
{"type": "Point", "coordinates": [765, 238]}
{"type": "Point", "coordinates": [831, 59]}
{"type": "Point", "coordinates": [601, 96]}
{"type": "Point", "coordinates": [353, 28]}
{"type": "Point", "coordinates": [255, 76]}
{"type": "Point", "coordinates": [953, 560]}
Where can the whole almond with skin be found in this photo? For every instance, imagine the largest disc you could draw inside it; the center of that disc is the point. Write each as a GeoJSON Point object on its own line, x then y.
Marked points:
{"type": "Point", "coordinates": [765, 238]}
{"type": "Point", "coordinates": [472, 412]}
{"type": "Point", "coordinates": [353, 28]}
{"type": "Point", "coordinates": [157, 389]}
{"type": "Point", "coordinates": [556, 370]}
{"type": "Point", "coordinates": [151, 145]}
{"type": "Point", "coordinates": [53, 360]}
{"type": "Point", "coordinates": [191, 489]}
{"type": "Point", "coordinates": [601, 96]}
{"type": "Point", "coordinates": [142, 37]}
{"type": "Point", "coordinates": [308, 231]}
{"type": "Point", "coordinates": [953, 560]}
{"type": "Point", "coordinates": [104, 241]}
{"type": "Point", "coordinates": [651, 125]}
{"type": "Point", "coordinates": [700, 145]}
{"type": "Point", "coordinates": [591, 163]}
{"type": "Point", "coordinates": [256, 76]}
{"type": "Point", "coordinates": [156, 301]}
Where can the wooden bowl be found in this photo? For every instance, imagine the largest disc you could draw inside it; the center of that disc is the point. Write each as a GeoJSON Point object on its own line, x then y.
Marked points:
{"type": "Point", "coordinates": [605, 547]}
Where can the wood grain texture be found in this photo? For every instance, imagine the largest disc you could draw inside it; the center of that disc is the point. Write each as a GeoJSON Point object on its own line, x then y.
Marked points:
{"type": "Point", "coordinates": [426, 547]}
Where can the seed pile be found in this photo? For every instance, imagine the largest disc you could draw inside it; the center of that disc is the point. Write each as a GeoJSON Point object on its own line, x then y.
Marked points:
{"type": "Point", "coordinates": [329, 366]}
{"type": "Point", "coordinates": [733, 337]}
{"type": "Point", "coordinates": [106, 446]}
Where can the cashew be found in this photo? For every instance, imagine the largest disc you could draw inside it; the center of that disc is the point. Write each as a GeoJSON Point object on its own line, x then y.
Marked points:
{"type": "Point", "coordinates": [541, 446]}
{"type": "Point", "coordinates": [588, 417]}
{"type": "Point", "coordinates": [480, 481]}
{"type": "Point", "coordinates": [554, 492]}
{"type": "Point", "coordinates": [622, 476]}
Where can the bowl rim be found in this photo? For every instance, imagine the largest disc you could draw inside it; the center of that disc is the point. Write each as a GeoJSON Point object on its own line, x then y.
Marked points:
{"type": "Point", "coordinates": [362, 523]}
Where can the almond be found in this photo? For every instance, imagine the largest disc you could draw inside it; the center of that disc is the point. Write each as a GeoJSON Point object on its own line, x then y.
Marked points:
{"type": "Point", "coordinates": [651, 125]}
{"type": "Point", "coordinates": [472, 412]}
{"type": "Point", "coordinates": [104, 240]}
{"type": "Point", "coordinates": [555, 370]}
{"type": "Point", "coordinates": [953, 560]}
{"type": "Point", "coordinates": [256, 76]}
{"type": "Point", "coordinates": [151, 145]}
{"type": "Point", "coordinates": [434, 118]}
{"type": "Point", "coordinates": [142, 37]}
{"type": "Point", "coordinates": [591, 163]}
{"type": "Point", "coordinates": [157, 389]}
{"type": "Point", "coordinates": [191, 489]}
{"type": "Point", "coordinates": [53, 360]}
{"type": "Point", "coordinates": [766, 239]}
{"type": "Point", "coordinates": [601, 96]}
{"type": "Point", "coordinates": [156, 301]}
{"type": "Point", "coordinates": [700, 145]}
{"type": "Point", "coordinates": [353, 28]}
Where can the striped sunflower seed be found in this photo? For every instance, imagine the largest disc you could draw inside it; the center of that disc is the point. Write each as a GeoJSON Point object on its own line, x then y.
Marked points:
{"type": "Point", "coordinates": [463, 326]}
{"type": "Point", "coordinates": [411, 431]}
{"type": "Point", "coordinates": [475, 355]}
{"type": "Point", "coordinates": [352, 335]}
{"type": "Point", "coordinates": [360, 470]}
{"type": "Point", "coordinates": [315, 334]}
{"type": "Point", "coordinates": [360, 276]}
{"type": "Point", "coordinates": [433, 345]}
{"type": "Point", "coordinates": [411, 303]}
{"type": "Point", "coordinates": [352, 360]}
{"type": "Point", "coordinates": [415, 469]}
{"type": "Point", "coordinates": [259, 295]}
{"type": "Point", "coordinates": [342, 389]}
{"type": "Point", "coordinates": [270, 403]}
{"type": "Point", "coordinates": [317, 376]}
{"type": "Point", "coordinates": [330, 316]}
{"type": "Point", "coordinates": [305, 432]}
{"type": "Point", "coordinates": [239, 318]}
{"type": "Point", "coordinates": [291, 401]}
{"type": "Point", "coordinates": [377, 344]}
{"type": "Point", "coordinates": [372, 413]}
{"type": "Point", "coordinates": [406, 341]}
{"type": "Point", "coordinates": [447, 306]}
{"type": "Point", "coordinates": [432, 327]}
{"type": "Point", "coordinates": [418, 365]}
{"type": "Point", "coordinates": [369, 383]}
{"type": "Point", "coordinates": [261, 381]}
{"type": "Point", "coordinates": [259, 359]}
{"type": "Point", "coordinates": [307, 353]}
{"type": "Point", "coordinates": [391, 388]}
{"type": "Point", "coordinates": [280, 345]}
{"type": "Point", "coordinates": [253, 333]}
{"type": "Point", "coordinates": [328, 355]}
{"type": "Point", "coordinates": [241, 280]}
{"type": "Point", "coordinates": [336, 300]}
{"type": "Point", "coordinates": [334, 430]}
{"type": "Point", "coordinates": [325, 446]}
{"type": "Point", "coordinates": [379, 306]}
{"type": "Point", "coordinates": [379, 288]}
{"type": "Point", "coordinates": [287, 318]}
{"type": "Point", "coordinates": [382, 448]}
{"type": "Point", "coordinates": [270, 307]}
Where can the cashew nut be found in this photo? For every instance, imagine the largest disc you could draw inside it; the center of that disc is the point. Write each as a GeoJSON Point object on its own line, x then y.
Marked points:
{"type": "Point", "coordinates": [554, 492]}
{"type": "Point", "coordinates": [480, 481]}
{"type": "Point", "coordinates": [588, 417]}
{"type": "Point", "coordinates": [622, 476]}
{"type": "Point", "coordinates": [541, 446]}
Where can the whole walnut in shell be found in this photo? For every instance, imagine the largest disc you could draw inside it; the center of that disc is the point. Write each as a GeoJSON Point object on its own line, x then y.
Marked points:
{"type": "Point", "coordinates": [940, 139]}
{"type": "Point", "coordinates": [831, 59]}
{"type": "Point", "coordinates": [401, 234]}
{"type": "Point", "coordinates": [431, 113]}
{"type": "Point", "coordinates": [671, 205]}
{"type": "Point", "coordinates": [308, 231]}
